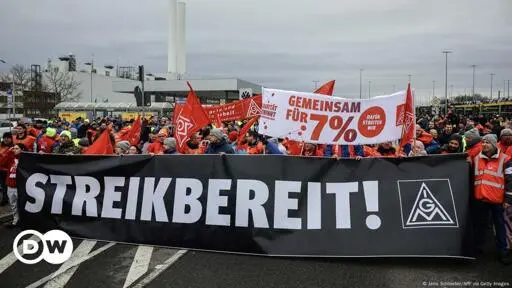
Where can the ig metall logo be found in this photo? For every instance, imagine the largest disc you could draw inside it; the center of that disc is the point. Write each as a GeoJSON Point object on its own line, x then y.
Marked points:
{"type": "Point", "coordinates": [55, 247]}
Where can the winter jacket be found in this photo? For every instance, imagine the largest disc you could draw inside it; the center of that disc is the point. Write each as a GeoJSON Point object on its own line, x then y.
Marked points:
{"type": "Point", "coordinates": [67, 148]}
{"type": "Point", "coordinates": [474, 150]}
{"type": "Point", "coordinates": [46, 144]}
{"type": "Point", "coordinates": [433, 147]}
{"type": "Point", "coordinates": [344, 151]}
{"type": "Point", "coordinates": [156, 147]}
{"type": "Point", "coordinates": [10, 181]}
{"type": "Point", "coordinates": [221, 147]}
{"type": "Point", "coordinates": [505, 149]}
{"type": "Point", "coordinates": [28, 141]}
{"type": "Point", "coordinates": [272, 149]}
{"type": "Point", "coordinates": [6, 157]}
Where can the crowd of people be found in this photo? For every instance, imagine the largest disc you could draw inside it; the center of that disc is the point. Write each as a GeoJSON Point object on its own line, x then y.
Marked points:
{"type": "Point", "coordinates": [486, 140]}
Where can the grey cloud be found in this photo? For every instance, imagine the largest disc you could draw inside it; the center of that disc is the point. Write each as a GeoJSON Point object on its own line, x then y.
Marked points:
{"type": "Point", "coordinates": [279, 43]}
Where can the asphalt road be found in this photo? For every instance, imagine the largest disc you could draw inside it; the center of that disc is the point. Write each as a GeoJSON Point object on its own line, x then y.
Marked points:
{"type": "Point", "coordinates": [102, 264]}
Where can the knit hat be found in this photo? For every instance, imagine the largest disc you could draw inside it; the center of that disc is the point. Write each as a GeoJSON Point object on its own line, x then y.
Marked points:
{"type": "Point", "coordinates": [84, 142]}
{"type": "Point", "coordinates": [73, 132]}
{"type": "Point", "coordinates": [506, 132]}
{"type": "Point", "coordinates": [123, 145]}
{"type": "Point", "coordinates": [492, 139]}
{"type": "Point", "coordinates": [65, 133]}
{"type": "Point", "coordinates": [51, 132]}
{"type": "Point", "coordinates": [474, 135]}
{"type": "Point", "coordinates": [217, 133]}
{"type": "Point", "coordinates": [170, 142]}
{"type": "Point", "coordinates": [233, 135]}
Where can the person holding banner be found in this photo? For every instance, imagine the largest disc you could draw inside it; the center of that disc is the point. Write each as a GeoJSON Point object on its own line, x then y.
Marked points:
{"type": "Point", "coordinates": [218, 143]}
{"type": "Point", "coordinates": [22, 137]}
{"type": "Point", "coordinates": [493, 174]}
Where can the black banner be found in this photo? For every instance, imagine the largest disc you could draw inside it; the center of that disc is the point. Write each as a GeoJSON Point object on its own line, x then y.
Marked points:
{"type": "Point", "coordinates": [271, 205]}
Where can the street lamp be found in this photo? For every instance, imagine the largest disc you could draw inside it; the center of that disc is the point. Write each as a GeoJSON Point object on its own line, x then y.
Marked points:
{"type": "Point", "coordinates": [446, 52]}
{"type": "Point", "coordinates": [492, 74]}
{"type": "Point", "coordinates": [473, 91]}
{"type": "Point", "coordinates": [12, 89]}
{"type": "Point", "coordinates": [369, 89]}
{"type": "Point", "coordinates": [360, 83]}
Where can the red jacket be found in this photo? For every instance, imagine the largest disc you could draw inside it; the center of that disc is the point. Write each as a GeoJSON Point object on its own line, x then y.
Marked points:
{"type": "Point", "coordinates": [6, 157]}
{"type": "Point", "coordinates": [11, 174]}
{"type": "Point", "coordinates": [156, 147]}
{"type": "Point", "coordinates": [475, 150]}
{"type": "Point", "coordinates": [27, 141]}
{"type": "Point", "coordinates": [46, 144]}
{"type": "Point", "coordinates": [505, 149]}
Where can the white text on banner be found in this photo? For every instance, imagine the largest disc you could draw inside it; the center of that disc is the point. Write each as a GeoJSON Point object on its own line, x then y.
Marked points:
{"type": "Point", "coordinates": [320, 119]}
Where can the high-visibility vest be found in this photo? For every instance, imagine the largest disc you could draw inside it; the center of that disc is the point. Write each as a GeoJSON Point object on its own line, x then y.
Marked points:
{"type": "Point", "coordinates": [490, 178]}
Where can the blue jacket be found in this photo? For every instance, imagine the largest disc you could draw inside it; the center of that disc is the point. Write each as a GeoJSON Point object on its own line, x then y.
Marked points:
{"type": "Point", "coordinates": [433, 148]}
{"type": "Point", "coordinates": [272, 149]}
{"type": "Point", "coordinates": [222, 147]}
{"type": "Point", "coordinates": [345, 152]}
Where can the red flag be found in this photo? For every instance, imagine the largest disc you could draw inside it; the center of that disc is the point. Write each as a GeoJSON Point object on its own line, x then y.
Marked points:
{"type": "Point", "coordinates": [102, 145]}
{"type": "Point", "coordinates": [190, 119]}
{"type": "Point", "coordinates": [408, 128]}
{"type": "Point", "coordinates": [133, 136]}
{"type": "Point", "coordinates": [327, 88]}
{"type": "Point", "coordinates": [246, 128]}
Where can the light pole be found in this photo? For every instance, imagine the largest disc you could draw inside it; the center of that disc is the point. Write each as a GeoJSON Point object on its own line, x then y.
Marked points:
{"type": "Point", "coordinates": [360, 83]}
{"type": "Point", "coordinates": [369, 89]}
{"type": "Point", "coordinates": [433, 89]}
{"type": "Point", "coordinates": [446, 52]}
{"type": "Point", "coordinates": [12, 89]}
{"type": "Point", "coordinates": [92, 69]}
{"type": "Point", "coordinates": [473, 90]}
{"type": "Point", "coordinates": [492, 75]}
{"type": "Point", "coordinates": [410, 75]}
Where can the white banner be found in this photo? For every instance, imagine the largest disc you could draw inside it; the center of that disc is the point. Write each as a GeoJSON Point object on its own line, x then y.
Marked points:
{"type": "Point", "coordinates": [315, 118]}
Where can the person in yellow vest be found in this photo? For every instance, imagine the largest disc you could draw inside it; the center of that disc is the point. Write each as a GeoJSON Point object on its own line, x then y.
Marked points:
{"type": "Point", "coordinates": [493, 172]}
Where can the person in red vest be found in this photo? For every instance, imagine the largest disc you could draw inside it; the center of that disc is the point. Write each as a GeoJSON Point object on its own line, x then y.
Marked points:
{"type": "Point", "coordinates": [12, 191]}
{"type": "Point", "coordinates": [22, 137]}
{"type": "Point", "coordinates": [386, 150]}
{"type": "Point", "coordinates": [6, 158]}
{"type": "Point", "coordinates": [473, 143]}
{"type": "Point", "coordinates": [505, 144]}
{"type": "Point", "coordinates": [493, 172]}
{"type": "Point", "coordinates": [193, 147]}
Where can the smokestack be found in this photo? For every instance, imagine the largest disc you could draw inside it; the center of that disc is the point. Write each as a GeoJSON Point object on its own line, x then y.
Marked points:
{"type": "Point", "coordinates": [181, 40]}
{"type": "Point", "coordinates": [172, 52]}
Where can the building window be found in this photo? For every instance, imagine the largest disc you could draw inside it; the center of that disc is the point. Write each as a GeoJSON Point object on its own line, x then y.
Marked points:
{"type": "Point", "coordinates": [107, 73]}
{"type": "Point", "coordinates": [56, 70]}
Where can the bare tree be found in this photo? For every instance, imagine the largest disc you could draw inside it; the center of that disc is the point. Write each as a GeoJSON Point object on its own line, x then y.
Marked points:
{"type": "Point", "coordinates": [63, 84]}
{"type": "Point", "coordinates": [21, 77]}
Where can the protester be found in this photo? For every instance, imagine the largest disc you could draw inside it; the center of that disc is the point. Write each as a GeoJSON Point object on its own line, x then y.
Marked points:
{"type": "Point", "coordinates": [493, 172]}
{"type": "Point", "coordinates": [218, 143]}
{"type": "Point", "coordinates": [418, 149]}
{"type": "Point", "coordinates": [48, 141]}
{"type": "Point", "coordinates": [454, 145]}
{"type": "Point", "coordinates": [505, 143]}
{"type": "Point", "coordinates": [5, 160]}
{"type": "Point", "coordinates": [134, 150]}
{"type": "Point", "coordinates": [66, 145]}
{"type": "Point", "coordinates": [122, 147]}
{"type": "Point", "coordinates": [444, 138]}
{"type": "Point", "coordinates": [170, 146]}
{"type": "Point", "coordinates": [22, 137]}
{"type": "Point", "coordinates": [473, 143]}
{"type": "Point", "coordinates": [12, 192]}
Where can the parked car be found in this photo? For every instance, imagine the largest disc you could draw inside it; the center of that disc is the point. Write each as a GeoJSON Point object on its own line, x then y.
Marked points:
{"type": "Point", "coordinates": [5, 126]}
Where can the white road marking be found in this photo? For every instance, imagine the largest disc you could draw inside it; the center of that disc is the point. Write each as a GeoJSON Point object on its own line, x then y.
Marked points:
{"type": "Point", "coordinates": [80, 252]}
{"type": "Point", "coordinates": [140, 264]}
{"type": "Point", "coordinates": [159, 269]}
{"type": "Point", "coordinates": [10, 258]}
{"type": "Point", "coordinates": [55, 274]}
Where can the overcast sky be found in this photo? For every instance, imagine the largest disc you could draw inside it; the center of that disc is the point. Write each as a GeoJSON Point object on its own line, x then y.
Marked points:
{"type": "Point", "coordinates": [283, 44]}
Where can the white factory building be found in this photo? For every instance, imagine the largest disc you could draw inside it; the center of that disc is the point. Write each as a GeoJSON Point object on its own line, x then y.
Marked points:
{"type": "Point", "coordinates": [107, 83]}
{"type": "Point", "coordinates": [116, 84]}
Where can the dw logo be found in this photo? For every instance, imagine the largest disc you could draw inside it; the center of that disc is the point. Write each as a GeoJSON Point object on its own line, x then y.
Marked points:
{"type": "Point", "coordinates": [56, 247]}
{"type": "Point", "coordinates": [427, 203]}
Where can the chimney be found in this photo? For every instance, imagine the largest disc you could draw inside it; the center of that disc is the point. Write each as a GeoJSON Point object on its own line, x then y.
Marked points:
{"type": "Point", "coordinates": [181, 40]}
{"type": "Point", "coordinates": [172, 66]}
